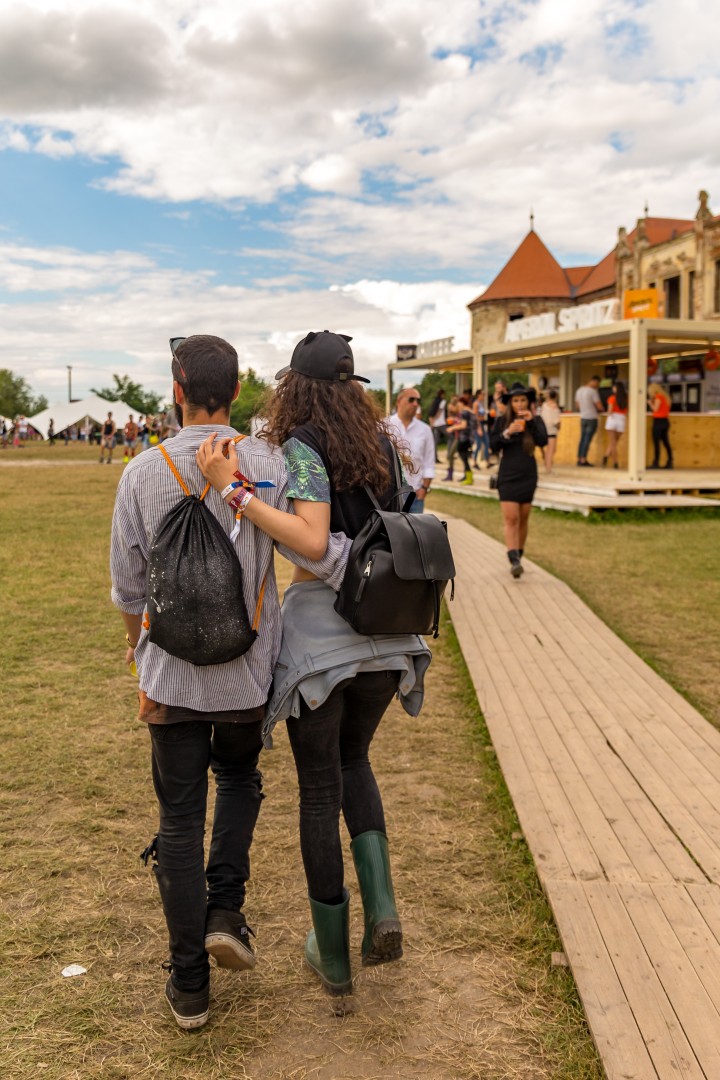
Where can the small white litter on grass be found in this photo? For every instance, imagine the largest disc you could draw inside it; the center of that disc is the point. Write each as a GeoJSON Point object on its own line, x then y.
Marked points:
{"type": "Point", "coordinates": [74, 969]}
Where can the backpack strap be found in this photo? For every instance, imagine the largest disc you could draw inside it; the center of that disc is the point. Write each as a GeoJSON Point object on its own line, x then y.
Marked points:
{"type": "Point", "coordinates": [402, 491]}
{"type": "Point", "coordinates": [177, 475]}
{"type": "Point", "coordinates": [259, 605]}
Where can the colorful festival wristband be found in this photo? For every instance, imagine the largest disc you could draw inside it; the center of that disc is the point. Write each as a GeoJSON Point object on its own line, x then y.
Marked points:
{"type": "Point", "coordinates": [231, 487]}
{"type": "Point", "coordinates": [240, 500]}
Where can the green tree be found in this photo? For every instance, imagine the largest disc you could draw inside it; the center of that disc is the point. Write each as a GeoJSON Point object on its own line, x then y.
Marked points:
{"type": "Point", "coordinates": [132, 393]}
{"type": "Point", "coordinates": [431, 382]}
{"type": "Point", "coordinates": [253, 390]}
{"type": "Point", "coordinates": [378, 397]}
{"type": "Point", "coordinates": [16, 396]}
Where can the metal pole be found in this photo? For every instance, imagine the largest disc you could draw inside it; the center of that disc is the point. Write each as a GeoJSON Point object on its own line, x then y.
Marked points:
{"type": "Point", "coordinates": [69, 383]}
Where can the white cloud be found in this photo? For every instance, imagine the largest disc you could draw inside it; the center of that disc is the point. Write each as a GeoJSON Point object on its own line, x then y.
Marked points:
{"type": "Point", "coordinates": [380, 140]}
{"type": "Point", "coordinates": [117, 311]}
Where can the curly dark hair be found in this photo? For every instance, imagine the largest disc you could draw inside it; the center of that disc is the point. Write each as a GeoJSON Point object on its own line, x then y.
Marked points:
{"type": "Point", "coordinates": [349, 419]}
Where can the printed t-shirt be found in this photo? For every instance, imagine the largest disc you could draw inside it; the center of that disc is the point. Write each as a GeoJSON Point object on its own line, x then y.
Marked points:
{"type": "Point", "coordinates": [309, 472]}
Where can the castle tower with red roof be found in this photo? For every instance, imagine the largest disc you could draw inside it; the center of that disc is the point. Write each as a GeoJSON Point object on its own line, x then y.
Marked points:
{"type": "Point", "coordinates": [678, 256]}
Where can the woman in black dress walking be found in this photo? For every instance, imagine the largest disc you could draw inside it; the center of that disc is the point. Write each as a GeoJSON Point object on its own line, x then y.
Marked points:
{"type": "Point", "coordinates": [514, 436]}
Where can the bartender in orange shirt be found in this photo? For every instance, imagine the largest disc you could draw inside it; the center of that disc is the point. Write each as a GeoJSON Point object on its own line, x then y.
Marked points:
{"type": "Point", "coordinates": [660, 407]}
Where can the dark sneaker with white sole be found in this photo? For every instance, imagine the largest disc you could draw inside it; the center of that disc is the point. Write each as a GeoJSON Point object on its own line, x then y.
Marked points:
{"type": "Point", "coordinates": [189, 1007]}
{"type": "Point", "coordinates": [227, 938]}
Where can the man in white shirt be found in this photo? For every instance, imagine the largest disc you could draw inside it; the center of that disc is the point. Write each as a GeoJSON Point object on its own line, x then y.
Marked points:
{"type": "Point", "coordinates": [417, 438]}
{"type": "Point", "coordinates": [589, 404]}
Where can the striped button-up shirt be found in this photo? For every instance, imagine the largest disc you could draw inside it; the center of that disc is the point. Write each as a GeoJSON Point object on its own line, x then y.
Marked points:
{"type": "Point", "coordinates": [147, 491]}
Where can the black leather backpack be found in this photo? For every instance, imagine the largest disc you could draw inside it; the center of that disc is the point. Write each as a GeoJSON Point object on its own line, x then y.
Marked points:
{"type": "Point", "coordinates": [398, 569]}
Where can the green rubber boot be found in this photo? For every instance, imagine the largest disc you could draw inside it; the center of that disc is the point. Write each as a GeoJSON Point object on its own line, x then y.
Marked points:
{"type": "Point", "coordinates": [383, 933]}
{"type": "Point", "coordinates": [468, 479]}
{"type": "Point", "coordinates": [327, 949]}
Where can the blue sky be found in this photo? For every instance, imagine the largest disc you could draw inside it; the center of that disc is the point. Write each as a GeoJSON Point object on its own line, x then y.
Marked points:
{"type": "Point", "coordinates": [262, 169]}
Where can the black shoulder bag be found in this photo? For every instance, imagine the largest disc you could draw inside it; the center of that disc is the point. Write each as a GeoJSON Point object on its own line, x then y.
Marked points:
{"type": "Point", "coordinates": [398, 568]}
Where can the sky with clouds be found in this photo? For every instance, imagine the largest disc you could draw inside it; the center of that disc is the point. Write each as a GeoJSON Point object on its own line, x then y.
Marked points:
{"type": "Point", "coordinates": [257, 170]}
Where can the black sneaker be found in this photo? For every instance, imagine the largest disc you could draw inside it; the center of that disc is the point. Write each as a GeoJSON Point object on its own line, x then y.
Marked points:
{"type": "Point", "coordinates": [189, 1007]}
{"type": "Point", "coordinates": [516, 567]}
{"type": "Point", "coordinates": [227, 938]}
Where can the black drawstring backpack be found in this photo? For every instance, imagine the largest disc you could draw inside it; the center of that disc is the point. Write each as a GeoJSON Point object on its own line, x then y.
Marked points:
{"type": "Point", "coordinates": [398, 569]}
{"type": "Point", "coordinates": [195, 606]}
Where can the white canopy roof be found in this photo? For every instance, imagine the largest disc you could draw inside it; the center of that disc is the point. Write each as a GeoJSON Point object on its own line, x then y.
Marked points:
{"type": "Point", "coordinates": [66, 413]}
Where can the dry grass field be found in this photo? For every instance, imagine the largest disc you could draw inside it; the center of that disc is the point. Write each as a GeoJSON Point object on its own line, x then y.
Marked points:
{"type": "Point", "coordinates": [474, 997]}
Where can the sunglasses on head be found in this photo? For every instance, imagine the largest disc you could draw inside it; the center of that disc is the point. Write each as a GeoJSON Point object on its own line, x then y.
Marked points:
{"type": "Point", "coordinates": [175, 343]}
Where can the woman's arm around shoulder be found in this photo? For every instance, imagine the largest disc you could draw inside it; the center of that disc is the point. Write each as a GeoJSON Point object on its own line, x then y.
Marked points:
{"type": "Point", "coordinates": [306, 531]}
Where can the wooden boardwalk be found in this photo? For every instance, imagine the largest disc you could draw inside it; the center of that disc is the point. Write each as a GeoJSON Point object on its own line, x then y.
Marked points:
{"type": "Point", "coordinates": [616, 782]}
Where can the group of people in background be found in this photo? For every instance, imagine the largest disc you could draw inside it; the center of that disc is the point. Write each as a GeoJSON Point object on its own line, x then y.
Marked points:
{"type": "Point", "coordinates": [509, 428]}
{"type": "Point", "coordinates": [590, 405]}
{"type": "Point", "coordinates": [133, 436]}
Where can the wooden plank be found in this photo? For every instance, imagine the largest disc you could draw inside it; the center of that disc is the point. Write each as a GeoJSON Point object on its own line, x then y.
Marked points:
{"type": "Point", "coordinates": [539, 830]}
{"type": "Point", "coordinates": [691, 1003]}
{"type": "Point", "coordinates": [661, 840]}
{"type": "Point", "coordinates": [612, 1023]}
{"type": "Point", "coordinates": [602, 814]}
{"type": "Point", "coordinates": [592, 745]}
{"type": "Point", "coordinates": [681, 865]}
{"type": "Point", "coordinates": [658, 711]}
{"type": "Point", "coordinates": [662, 1032]}
{"type": "Point", "coordinates": [695, 936]}
{"type": "Point", "coordinates": [665, 699]}
{"type": "Point", "coordinates": [607, 778]}
{"type": "Point", "coordinates": [695, 789]}
{"type": "Point", "coordinates": [664, 797]}
{"type": "Point", "coordinates": [532, 761]}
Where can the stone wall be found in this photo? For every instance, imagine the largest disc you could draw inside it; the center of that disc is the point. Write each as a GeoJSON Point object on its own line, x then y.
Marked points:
{"type": "Point", "coordinates": [488, 320]}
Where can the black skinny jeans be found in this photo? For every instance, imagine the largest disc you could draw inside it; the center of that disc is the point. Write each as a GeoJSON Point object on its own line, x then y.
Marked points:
{"type": "Point", "coordinates": [181, 754]}
{"type": "Point", "coordinates": [463, 448]}
{"type": "Point", "coordinates": [331, 745]}
{"type": "Point", "coordinates": [660, 430]}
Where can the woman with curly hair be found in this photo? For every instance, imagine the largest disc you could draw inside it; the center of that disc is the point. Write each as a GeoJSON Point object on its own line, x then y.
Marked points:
{"type": "Point", "coordinates": [332, 685]}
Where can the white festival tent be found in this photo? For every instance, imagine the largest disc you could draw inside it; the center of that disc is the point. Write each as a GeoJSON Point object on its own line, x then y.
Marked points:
{"type": "Point", "coordinates": [95, 408]}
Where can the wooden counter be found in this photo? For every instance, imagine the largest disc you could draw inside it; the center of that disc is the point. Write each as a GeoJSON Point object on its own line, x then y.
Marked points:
{"type": "Point", "coordinates": [694, 437]}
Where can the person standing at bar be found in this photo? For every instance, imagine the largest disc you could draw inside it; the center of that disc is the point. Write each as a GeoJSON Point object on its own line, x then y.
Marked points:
{"type": "Point", "coordinates": [589, 404]}
{"type": "Point", "coordinates": [660, 406]}
{"type": "Point", "coordinates": [616, 421]}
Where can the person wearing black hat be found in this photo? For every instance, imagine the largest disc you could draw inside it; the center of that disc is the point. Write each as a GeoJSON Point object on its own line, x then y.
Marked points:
{"type": "Point", "coordinates": [515, 435]}
{"type": "Point", "coordinates": [336, 446]}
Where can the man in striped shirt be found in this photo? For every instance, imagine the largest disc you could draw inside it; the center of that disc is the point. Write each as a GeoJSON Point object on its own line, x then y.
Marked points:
{"type": "Point", "coordinates": [203, 716]}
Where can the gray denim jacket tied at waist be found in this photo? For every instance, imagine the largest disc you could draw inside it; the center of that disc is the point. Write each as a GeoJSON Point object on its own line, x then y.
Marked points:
{"type": "Point", "coordinates": [320, 650]}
